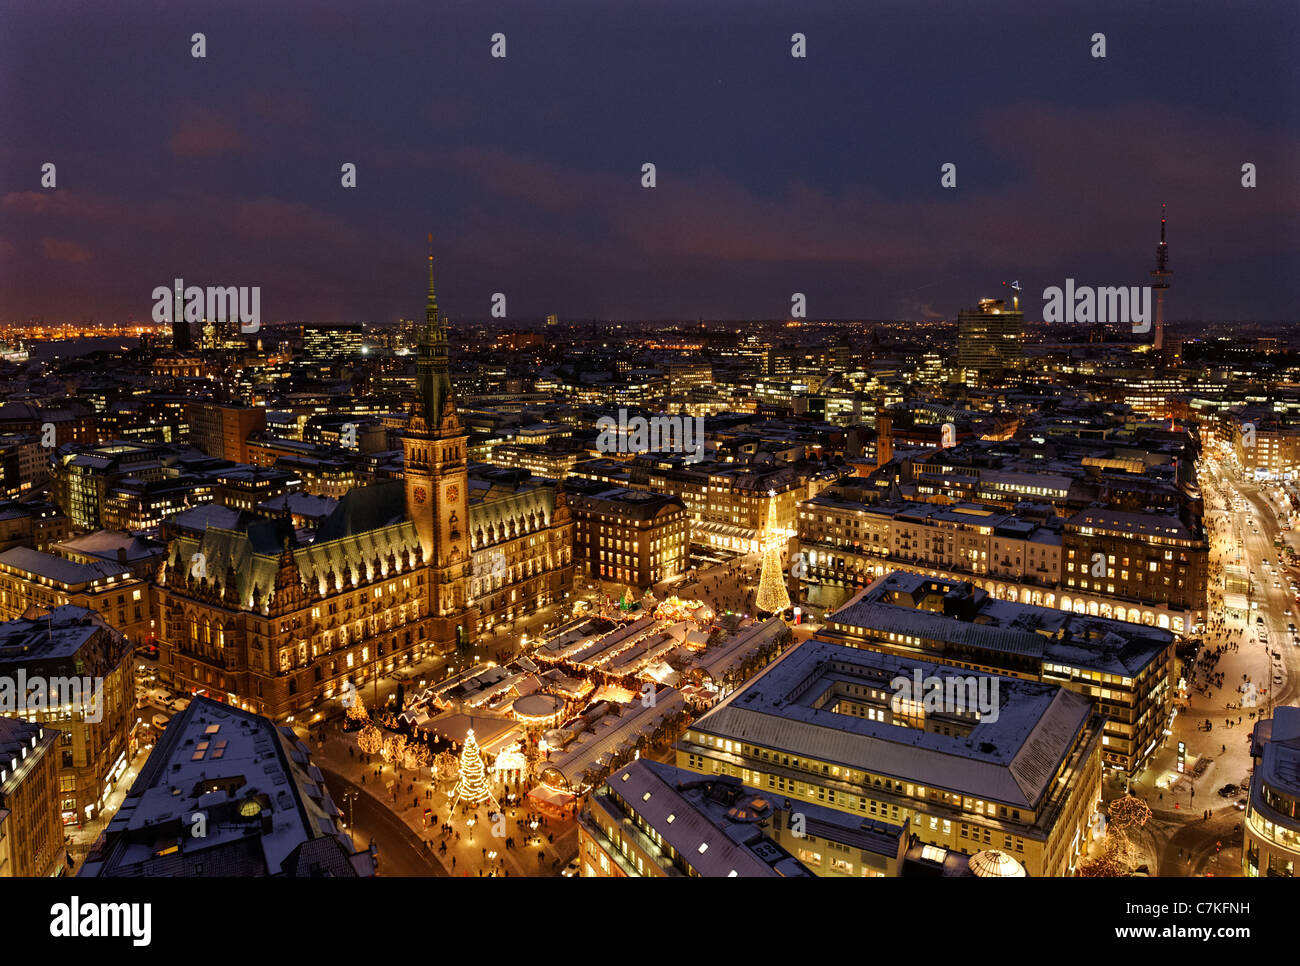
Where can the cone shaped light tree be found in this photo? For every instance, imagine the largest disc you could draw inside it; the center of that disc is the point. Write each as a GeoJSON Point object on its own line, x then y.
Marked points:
{"type": "Point", "coordinates": [772, 594]}
{"type": "Point", "coordinates": [472, 787]}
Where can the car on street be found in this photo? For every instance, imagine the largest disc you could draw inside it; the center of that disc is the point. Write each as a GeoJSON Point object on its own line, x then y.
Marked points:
{"type": "Point", "coordinates": [1241, 804]}
{"type": "Point", "coordinates": [1227, 791]}
{"type": "Point", "coordinates": [571, 869]}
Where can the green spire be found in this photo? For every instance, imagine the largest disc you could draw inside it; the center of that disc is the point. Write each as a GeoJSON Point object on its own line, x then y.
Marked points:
{"type": "Point", "coordinates": [432, 369]}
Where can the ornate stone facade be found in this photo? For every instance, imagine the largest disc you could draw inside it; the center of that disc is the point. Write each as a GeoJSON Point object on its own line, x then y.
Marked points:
{"type": "Point", "coordinates": [278, 621]}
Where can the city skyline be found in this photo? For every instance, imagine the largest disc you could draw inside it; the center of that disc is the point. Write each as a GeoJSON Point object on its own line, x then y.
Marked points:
{"type": "Point", "coordinates": [841, 441]}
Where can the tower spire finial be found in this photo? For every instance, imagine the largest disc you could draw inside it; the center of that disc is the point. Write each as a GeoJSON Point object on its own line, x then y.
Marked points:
{"type": "Point", "coordinates": [431, 303]}
{"type": "Point", "coordinates": [431, 364]}
{"type": "Point", "coordinates": [1161, 275]}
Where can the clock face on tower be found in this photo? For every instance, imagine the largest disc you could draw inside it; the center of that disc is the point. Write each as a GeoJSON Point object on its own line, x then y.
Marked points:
{"type": "Point", "coordinates": [452, 492]}
{"type": "Point", "coordinates": [420, 495]}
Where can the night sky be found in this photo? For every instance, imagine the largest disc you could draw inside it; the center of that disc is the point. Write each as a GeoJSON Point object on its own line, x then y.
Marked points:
{"type": "Point", "coordinates": [775, 174]}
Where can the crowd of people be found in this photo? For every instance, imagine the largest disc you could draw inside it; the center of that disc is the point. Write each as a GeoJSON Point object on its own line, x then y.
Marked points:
{"type": "Point", "coordinates": [723, 589]}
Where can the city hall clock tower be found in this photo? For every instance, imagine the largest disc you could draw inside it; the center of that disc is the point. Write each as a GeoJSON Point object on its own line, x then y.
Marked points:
{"type": "Point", "coordinates": [437, 484]}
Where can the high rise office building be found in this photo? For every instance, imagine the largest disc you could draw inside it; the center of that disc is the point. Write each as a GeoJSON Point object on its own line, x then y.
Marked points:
{"type": "Point", "coordinates": [333, 341]}
{"type": "Point", "coordinates": [988, 337]}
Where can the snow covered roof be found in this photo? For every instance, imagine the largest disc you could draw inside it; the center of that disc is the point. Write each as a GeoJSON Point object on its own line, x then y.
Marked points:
{"type": "Point", "coordinates": [607, 735]}
{"type": "Point", "coordinates": [733, 651]}
{"type": "Point", "coordinates": [109, 543]}
{"type": "Point", "coordinates": [890, 605]}
{"type": "Point", "coordinates": [1280, 765]}
{"type": "Point", "coordinates": [1009, 757]}
{"type": "Point", "coordinates": [59, 634]}
{"type": "Point", "coordinates": [60, 569]}
{"type": "Point", "coordinates": [255, 785]}
{"type": "Point", "coordinates": [695, 819]}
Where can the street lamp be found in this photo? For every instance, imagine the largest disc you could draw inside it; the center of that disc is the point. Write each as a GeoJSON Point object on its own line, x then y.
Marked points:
{"type": "Point", "coordinates": [350, 796]}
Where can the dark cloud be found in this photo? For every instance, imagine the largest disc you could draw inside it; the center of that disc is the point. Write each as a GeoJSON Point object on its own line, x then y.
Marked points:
{"type": "Point", "coordinates": [774, 176]}
{"type": "Point", "coordinates": [203, 133]}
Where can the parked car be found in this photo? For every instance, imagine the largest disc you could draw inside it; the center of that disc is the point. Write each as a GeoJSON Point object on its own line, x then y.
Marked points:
{"type": "Point", "coordinates": [571, 869]}
{"type": "Point", "coordinates": [1227, 791]}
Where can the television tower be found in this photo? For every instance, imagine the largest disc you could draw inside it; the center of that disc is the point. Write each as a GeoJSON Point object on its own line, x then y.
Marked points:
{"type": "Point", "coordinates": [1161, 275]}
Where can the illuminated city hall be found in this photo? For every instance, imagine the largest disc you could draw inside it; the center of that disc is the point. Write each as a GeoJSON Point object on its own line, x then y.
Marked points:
{"type": "Point", "coordinates": [277, 621]}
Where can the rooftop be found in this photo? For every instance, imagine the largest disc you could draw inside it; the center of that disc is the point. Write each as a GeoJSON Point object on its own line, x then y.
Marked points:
{"type": "Point", "coordinates": [60, 569]}
{"type": "Point", "coordinates": [262, 798]}
{"type": "Point", "coordinates": [1008, 757]}
{"type": "Point", "coordinates": [1279, 741]}
{"type": "Point", "coordinates": [712, 824]}
{"type": "Point", "coordinates": [899, 603]}
{"type": "Point", "coordinates": [59, 634]}
{"type": "Point", "coordinates": [112, 544]}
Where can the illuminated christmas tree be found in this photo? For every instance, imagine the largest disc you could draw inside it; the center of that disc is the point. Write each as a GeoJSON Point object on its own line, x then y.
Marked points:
{"type": "Point", "coordinates": [446, 767]}
{"type": "Point", "coordinates": [1125, 814]}
{"type": "Point", "coordinates": [472, 787]}
{"type": "Point", "coordinates": [772, 595]}
{"type": "Point", "coordinates": [356, 708]}
{"type": "Point", "coordinates": [416, 756]}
